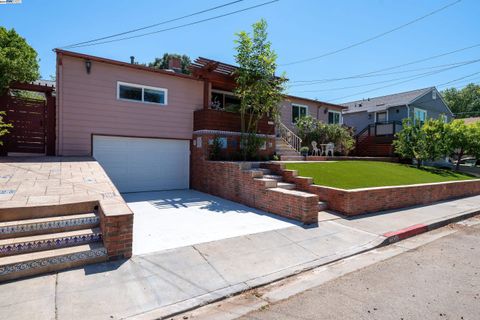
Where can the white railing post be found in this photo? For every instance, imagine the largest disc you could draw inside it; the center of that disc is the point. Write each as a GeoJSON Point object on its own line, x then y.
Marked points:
{"type": "Point", "coordinates": [289, 136]}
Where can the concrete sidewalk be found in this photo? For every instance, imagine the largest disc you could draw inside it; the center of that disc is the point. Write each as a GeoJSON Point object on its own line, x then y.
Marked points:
{"type": "Point", "coordinates": [164, 283]}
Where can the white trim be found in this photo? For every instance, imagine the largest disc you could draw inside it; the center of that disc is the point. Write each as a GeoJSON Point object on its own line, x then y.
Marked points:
{"type": "Point", "coordinates": [340, 119]}
{"type": "Point", "coordinates": [415, 111]}
{"type": "Point", "coordinates": [143, 87]}
{"type": "Point", "coordinates": [307, 112]}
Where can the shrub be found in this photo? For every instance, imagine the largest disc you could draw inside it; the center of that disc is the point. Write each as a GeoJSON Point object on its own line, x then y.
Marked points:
{"type": "Point", "coordinates": [310, 129]}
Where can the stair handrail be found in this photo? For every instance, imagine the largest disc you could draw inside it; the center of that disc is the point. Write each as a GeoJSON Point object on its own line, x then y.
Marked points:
{"type": "Point", "coordinates": [289, 136]}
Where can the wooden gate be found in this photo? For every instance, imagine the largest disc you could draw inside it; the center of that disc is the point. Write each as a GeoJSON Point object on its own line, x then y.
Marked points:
{"type": "Point", "coordinates": [28, 119]}
{"type": "Point", "coordinates": [33, 121]}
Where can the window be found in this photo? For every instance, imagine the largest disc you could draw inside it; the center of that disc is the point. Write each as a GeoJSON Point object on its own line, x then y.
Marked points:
{"type": "Point", "coordinates": [444, 118]}
{"type": "Point", "coordinates": [382, 117]}
{"type": "Point", "coordinates": [334, 117]}
{"type": "Point", "coordinates": [139, 93]}
{"type": "Point", "coordinates": [224, 100]}
{"type": "Point", "coordinates": [420, 115]}
{"type": "Point", "coordinates": [298, 111]}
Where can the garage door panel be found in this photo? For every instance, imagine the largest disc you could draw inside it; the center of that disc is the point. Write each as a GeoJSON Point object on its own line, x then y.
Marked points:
{"type": "Point", "coordinates": [138, 164]}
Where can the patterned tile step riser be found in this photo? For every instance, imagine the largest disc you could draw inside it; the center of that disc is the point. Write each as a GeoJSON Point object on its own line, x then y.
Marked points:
{"type": "Point", "coordinates": [48, 244]}
{"type": "Point", "coordinates": [44, 227]}
{"type": "Point", "coordinates": [49, 264]}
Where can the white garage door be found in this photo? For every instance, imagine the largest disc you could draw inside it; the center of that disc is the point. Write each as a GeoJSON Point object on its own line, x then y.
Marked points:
{"type": "Point", "coordinates": [138, 164]}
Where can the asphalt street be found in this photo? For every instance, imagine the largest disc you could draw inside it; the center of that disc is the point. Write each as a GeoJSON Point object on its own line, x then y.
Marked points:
{"type": "Point", "coordinates": [440, 280]}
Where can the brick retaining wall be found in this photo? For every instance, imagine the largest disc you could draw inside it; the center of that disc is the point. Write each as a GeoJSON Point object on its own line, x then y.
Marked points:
{"type": "Point", "coordinates": [366, 200]}
{"type": "Point", "coordinates": [231, 181]}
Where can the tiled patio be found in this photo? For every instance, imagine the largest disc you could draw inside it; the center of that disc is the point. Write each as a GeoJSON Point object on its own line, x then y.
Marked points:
{"type": "Point", "coordinates": [40, 181]}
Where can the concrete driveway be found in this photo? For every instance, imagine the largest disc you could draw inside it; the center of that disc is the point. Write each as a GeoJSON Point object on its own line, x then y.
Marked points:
{"type": "Point", "coordinates": [172, 219]}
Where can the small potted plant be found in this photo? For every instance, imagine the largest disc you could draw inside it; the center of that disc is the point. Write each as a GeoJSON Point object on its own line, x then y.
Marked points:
{"type": "Point", "coordinates": [304, 151]}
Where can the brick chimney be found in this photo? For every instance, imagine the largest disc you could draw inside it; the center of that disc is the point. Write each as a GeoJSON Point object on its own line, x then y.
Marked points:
{"type": "Point", "coordinates": [175, 64]}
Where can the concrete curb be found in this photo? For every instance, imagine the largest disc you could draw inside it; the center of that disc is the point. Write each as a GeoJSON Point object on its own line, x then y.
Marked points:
{"type": "Point", "coordinates": [386, 239]}
{"type": "Point", "coordinates": [395, 236]}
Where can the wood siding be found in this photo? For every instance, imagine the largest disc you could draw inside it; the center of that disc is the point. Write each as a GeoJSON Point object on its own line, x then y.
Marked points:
{"type": "Point", "coordinates": [87, 104]}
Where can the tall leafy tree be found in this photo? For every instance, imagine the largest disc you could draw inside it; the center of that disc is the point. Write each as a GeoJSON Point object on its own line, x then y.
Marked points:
{"type": "Point", "coordinates": [258, 88]}
{"type": "Point", "coordinates": [411, 142]}
{"type": "Point", "coordinates": [18, 60]}
{"type": "Point", "coordinates": [162, 63]}
{"type": "Point", "coordinates": [463, 140]}
{"type": "Point", "coordinates": [464, 102]}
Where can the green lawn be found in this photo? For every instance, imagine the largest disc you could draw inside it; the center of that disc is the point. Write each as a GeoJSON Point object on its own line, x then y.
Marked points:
{"type": "Point", "coordinates": [364, 174]}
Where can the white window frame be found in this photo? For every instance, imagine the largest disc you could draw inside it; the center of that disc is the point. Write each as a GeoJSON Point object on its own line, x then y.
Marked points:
{"type": "Point", "coordinates": [340, 118]}
{"type": "Point", "coordinates": [415, 114]}
{"type": "Point", "coordinates": [377, 112]}
{"type": "Point", "coordinates": [143, 87]}
{"type": "Point", "coordinates": [299, 106]}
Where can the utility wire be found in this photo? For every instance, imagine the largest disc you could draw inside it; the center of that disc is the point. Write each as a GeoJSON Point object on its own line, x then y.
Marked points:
{"type": "Point", "coordinates": [468, 76]}
{"type": "Point", "coordinates": [361, 75]}
{"type": "Point", "coordinates": [382, 74]}
{"type": "Point", "coordinates": [372, 38]}
{"type": "Point", "coordinates": [154, 25]}
{"type": "Point", "coordinates": [394, 84]}
{"type": "Point", "coordinates": [179, 26]}
{"type": "Point", "coordinates": [395, 79]}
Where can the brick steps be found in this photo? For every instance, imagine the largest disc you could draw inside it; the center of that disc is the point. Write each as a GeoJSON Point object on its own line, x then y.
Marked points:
{"type": "Point", "coordinates": [30, 264]}
{"type": "Point", "coordinates": [22, 245]}
{"type": "Point", "coordinates": [28, 227]}
{"type": "Point", "coordinates": [285, 185]}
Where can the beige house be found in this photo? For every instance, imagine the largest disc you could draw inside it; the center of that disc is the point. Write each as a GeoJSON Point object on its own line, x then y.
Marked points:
{"type": "Point", "coordinates": [294, 107]}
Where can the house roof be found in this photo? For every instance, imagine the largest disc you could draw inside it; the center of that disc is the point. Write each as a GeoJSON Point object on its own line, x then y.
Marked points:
{"type": "Point", "coordinates": [317, 101]}
{"type": "Point", "coordinates": [384, 102]}
{"type": "Point", "coordinates": [121, 63]}
{"type": "Point", "coordinates": [471, 120]}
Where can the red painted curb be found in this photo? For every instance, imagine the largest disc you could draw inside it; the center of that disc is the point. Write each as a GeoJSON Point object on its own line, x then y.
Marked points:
{"type": "Point", "coordinates": [406, 233]}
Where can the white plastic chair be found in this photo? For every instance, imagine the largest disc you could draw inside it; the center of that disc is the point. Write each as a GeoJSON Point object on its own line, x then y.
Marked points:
{"type": "Point", "coordinates": [315, 150]}
{"type": "Point", "coordinates": [329, 149]}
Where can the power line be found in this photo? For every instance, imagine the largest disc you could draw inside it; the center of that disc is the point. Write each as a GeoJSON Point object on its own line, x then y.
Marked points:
{"type": "Point", "coordinates": [468, 76]}
{"type": "Point", "coordinates": [154, 25]}
{"type": "Point", "coordinates": [374, 37]}
{"type": "Point", "coordinates": [463, 83]}
{"type": "Point", "coordinates": [381, 74]}
{"type": "Point", "coordinates": [390, 80]}
{"type": "Point", "coordinates": [394, 84]}
{"type": "Point", "coordinates": [179, 26]}
{"type": "Point", "coordinates": [361, 75]}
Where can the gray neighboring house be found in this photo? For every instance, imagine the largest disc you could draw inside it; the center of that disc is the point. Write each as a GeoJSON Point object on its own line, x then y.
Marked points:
{"type": "Point", "coordinates": [376, 120]}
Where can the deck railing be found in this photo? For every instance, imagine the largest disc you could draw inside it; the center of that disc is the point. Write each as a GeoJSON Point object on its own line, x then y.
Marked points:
{"type": "Point", "coordinates": [289, 136]}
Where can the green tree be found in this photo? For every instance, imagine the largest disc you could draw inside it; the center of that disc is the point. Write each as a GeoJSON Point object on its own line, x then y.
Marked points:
{"type": "Point", "coordinates": [464, 102]}
{"type": "Point", "coordinates": [18, 60]}
{"type": "Point", "coordinates": [162, 63]}
{"type": "Point", "coordinates": [436, 135]}
{"type": "Point", "coordinates": [411, 142]}
{"type": "Point", "coordinates": [463, 140]}
{"type": "Point", "coordinates": [258, 88]}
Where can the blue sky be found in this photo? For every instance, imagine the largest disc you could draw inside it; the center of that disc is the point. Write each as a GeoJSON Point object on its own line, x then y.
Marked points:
{"type": "Point", "coordinates": [298, 29]}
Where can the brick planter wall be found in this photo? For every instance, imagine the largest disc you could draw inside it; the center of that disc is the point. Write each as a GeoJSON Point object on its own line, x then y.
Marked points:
{"type": "Point", "coordinates": [366, 200]}
{"type": "Point", "coordinates": [116, 223]}
{"type": "Point", "coordinates": [231, 181]}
